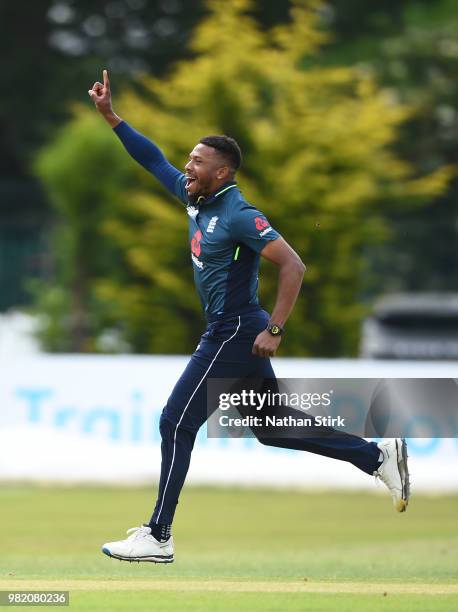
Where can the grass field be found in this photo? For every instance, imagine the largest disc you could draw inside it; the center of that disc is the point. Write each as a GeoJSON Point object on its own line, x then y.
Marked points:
{"type": "Point", "coordinates": [236, 549]}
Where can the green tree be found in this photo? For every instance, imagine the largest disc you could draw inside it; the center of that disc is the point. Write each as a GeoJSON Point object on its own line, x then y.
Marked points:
{"type": "Point", "coordinates": [411, 46]}
{"type": "Point", "coordinates": [318, 161]}
{"type": "Point", "coordinates": [84, 177]}
{"type": "Point", "coordinates": [420, 65]}
{"type": "Point", "coordinates": [70, 41]}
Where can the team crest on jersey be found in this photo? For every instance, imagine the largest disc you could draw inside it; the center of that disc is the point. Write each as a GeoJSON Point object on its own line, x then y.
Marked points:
{"type": "Point", "coordinates": [211, 225]}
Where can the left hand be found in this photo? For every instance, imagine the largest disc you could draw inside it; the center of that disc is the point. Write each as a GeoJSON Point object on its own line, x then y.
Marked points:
{"type": "Point", "coordinates": [101, 95]}
{"type": "Point", "coordinates": [265, 344]}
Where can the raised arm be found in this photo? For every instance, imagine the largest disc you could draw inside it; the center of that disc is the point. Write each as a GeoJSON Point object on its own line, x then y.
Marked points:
{"type": "Point", "coordinates": [143, 150]}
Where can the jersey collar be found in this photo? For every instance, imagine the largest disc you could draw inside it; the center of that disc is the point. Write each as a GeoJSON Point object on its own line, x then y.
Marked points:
{"type": "Point", "coordinates": [211, 198]}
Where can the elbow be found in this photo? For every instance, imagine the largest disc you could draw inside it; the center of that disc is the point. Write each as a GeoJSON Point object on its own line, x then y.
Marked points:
{"type": "Point", "coordinates": [296, 267]}
{"type": "Point", "coordinates": [300, 267]}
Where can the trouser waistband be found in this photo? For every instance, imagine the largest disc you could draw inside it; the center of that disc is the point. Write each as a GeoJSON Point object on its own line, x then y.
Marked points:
{"type": "Point", "coordinates": [228, 315]}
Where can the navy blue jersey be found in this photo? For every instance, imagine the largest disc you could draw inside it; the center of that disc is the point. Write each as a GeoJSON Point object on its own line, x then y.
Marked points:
{"type": "Point", "coordinates": [226, 233]}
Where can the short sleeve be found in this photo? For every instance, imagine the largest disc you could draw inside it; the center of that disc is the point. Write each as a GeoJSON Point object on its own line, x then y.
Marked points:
{"type": "Point", "coordinates": [251, 227]}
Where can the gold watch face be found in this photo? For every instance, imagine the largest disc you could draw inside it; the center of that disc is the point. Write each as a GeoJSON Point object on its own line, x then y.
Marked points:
{"type": "Point", "coordinates": [275, 330]}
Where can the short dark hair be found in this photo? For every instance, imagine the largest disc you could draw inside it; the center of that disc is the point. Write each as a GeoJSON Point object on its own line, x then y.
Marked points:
{"type": "Point", "coordinates": [228, 148]}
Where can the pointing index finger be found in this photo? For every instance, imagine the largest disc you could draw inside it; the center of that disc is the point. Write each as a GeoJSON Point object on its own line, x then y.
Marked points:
{"type": "Point", "coordinates": [106, 81]}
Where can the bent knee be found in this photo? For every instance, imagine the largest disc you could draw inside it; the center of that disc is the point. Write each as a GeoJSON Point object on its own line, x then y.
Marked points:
{"type": "Point", "coordinates": [166, 427]}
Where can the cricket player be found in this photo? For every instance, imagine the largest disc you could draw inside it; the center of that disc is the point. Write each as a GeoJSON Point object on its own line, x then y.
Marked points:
{"type": "Point", "coordinates": [227, 236]}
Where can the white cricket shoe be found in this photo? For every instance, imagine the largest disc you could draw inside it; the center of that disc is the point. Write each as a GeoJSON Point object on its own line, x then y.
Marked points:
{"type": "Point", "coordinates": [394, 471]}
{"type": "Point", "coordinates": [140, 546]}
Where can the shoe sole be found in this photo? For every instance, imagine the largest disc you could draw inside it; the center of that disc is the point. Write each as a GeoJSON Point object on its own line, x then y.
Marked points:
{"type": "Point", "coordinates": [152, 559]}
{"type": "Point", "coordinates": [401, 450]}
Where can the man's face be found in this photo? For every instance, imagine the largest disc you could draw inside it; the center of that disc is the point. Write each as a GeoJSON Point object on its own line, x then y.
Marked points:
{"type": "Point", "coordinates": [204, 171]}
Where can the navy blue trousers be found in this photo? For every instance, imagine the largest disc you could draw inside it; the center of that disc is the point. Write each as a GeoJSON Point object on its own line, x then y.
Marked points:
{"type": "Point", "coordinates": [225, 352]}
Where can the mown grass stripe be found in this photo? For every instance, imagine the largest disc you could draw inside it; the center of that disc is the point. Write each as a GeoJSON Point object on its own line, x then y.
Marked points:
{"type": "Point", "coordinates": [156, 584]}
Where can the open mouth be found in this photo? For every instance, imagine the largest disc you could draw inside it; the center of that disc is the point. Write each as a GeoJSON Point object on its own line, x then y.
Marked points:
{"type": "Point", "coordinates": [189, 181]}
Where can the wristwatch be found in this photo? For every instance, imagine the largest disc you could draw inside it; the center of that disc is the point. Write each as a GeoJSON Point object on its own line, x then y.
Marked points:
{"type": "Point", "coordinates": [274, 329]}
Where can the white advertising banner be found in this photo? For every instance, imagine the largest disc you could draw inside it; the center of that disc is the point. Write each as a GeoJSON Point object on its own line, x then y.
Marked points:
{"type": "Point", "coordinates": [95, 419]}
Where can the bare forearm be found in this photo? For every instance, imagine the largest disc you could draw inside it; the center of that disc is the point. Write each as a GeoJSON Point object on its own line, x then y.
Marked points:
{"type": "Point", "coordinates": [289, 284]}
{"type": "Point", "coordinates": [111, 118]}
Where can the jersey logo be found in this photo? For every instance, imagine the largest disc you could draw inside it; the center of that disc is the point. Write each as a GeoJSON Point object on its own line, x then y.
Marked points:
{"type": "Point", "coordinates": [195, 243]}
{"type": "Point", "coordinates": [211, 225]}
{"type": "Point", "coordinates": [196, 249]}
{"type": "Point", "coordinates": [198, 263]}
{"type": "Point", "coordinates": [260, 223]}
